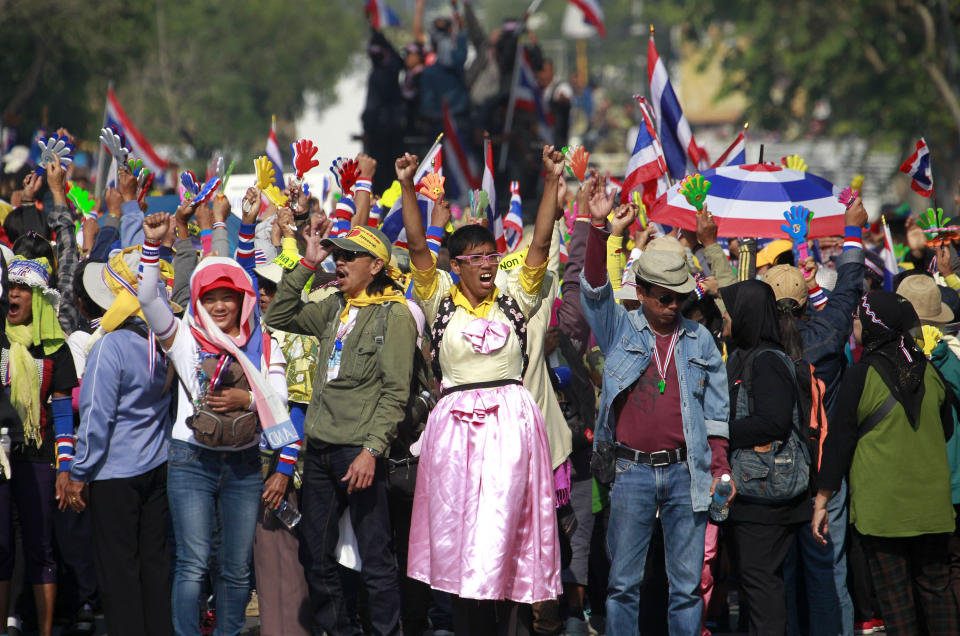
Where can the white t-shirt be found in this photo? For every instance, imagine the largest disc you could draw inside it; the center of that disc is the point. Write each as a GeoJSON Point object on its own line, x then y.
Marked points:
{"type": "Point", "coordinates": [184, 354]}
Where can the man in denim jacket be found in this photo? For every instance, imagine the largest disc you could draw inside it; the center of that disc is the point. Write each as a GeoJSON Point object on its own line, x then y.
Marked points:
{"type": "Point", "coordinates": [661, 433]}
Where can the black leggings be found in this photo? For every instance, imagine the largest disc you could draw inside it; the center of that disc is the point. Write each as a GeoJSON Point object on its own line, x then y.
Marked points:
{"type": "Point", "coordinates": [491, 618]}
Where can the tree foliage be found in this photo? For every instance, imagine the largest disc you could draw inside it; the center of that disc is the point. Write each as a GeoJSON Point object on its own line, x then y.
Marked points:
{"type": "Point", "coordinates": [885, 68]}
{"type": "Point", "coordinates": [208, 73]}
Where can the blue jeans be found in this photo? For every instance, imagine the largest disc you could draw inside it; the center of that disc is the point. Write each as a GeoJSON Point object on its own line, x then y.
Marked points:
{"type": "Point", "coordinates": [826, 601]}
{"type": "Point", "coordinates": [637, 492]}
{"type": "Point", "coordinates": [199, 481]}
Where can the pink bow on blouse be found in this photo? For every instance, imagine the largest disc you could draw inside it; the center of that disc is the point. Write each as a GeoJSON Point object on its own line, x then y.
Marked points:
{"type": "Point", "coordinates": [486, 336]}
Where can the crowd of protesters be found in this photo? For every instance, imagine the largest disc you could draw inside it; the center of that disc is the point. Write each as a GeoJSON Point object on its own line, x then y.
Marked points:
{"type": "Point", "coordinates": [450, 438]}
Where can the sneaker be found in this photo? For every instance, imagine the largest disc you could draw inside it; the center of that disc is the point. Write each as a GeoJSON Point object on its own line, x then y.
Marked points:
{"type": "Point", "coordinates": [878, 626]}
{"type": "Point", "coordinates": [253, 607]}
{"type": "Point", "coordinates": [576, 627]}
{"type": "Point", "coordinates": [208, 622]}
{"type": "Point", "coordinates": [866, 627]}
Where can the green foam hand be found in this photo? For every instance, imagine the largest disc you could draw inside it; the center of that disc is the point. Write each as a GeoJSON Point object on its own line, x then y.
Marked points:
{"type": "Point", "coordinates": [933, 223]}
{"type": "Point", "coordinates": [695, 188]}
{"type": "Point", "coordinates": [81, 200]}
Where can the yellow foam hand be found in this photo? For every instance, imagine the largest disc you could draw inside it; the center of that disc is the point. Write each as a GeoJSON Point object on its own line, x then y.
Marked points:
{"type": "Point", "coordinates": [390, 195]}
{"type": "Point", "coordinates": [276, 196]}
{"type": "Point", "coordinates": [642, 211]}
{"type": "Point", "coordinates": [265, 172]}
{"type": "Point", "coordinates": [857, 182]}
{"type": "Point", "coordinates": [795, 162]}
{"type": "Point", "coordinates": [931, 338]}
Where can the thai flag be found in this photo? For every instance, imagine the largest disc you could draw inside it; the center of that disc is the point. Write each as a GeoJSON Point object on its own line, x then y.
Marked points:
{"type": "Point", "coordinates": [141, 148]}
{"type": "Point", "coordinates": [646, 163]}
{"type": "Point", "coordinates": [381, 15]}
{"type": "Point", "coordinates": [461, 169]}
{"type": "Point", "coordinates": [528, 97]}
{"type": "Point", "coordinates": [917, 166]}
{"type": "Point", "coordinates": [393, 222]}
{"type": "Point", "coordinates": [273, 154]}
{"type": "Point", "coordinates": [735, 155]}
{"type": "Point", "coordinates": [493, 214]}
{"type": "Point", "coordinates": [679, 146]}
{"type": "Point", "coordinates": [513, 222]}
{"type": "Point", "coordinates": [592, 14]}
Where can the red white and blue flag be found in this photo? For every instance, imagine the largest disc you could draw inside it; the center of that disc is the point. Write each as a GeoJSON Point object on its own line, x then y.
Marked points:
{"type": "Point", "coordinates": [513, 222]}
{"type": "Point", "coordinates": [381, 15]}
{"type": "Point", "coordinates": [646, 163]}
{"type": "Point", "coordinates": [493, 214]}
{"type": "Point", "coordinates": [137, 143]}
{"type": "Point", "coordinates": [917, 166]}
{"type": "Point", "coordinates": [273, 154]}
{"type": "Point", "coordinates": [461, 171]}
{"type": "Point", "coordinates": [393, 222]}
{"type": "Point", "coordinates": [679, 146]}
{"type": "Point", "coordinates": [735, 155]}
{"type": "Point", "coordinates": [592, 14]}
{"type": "Point", "coordinates": [528, 96]}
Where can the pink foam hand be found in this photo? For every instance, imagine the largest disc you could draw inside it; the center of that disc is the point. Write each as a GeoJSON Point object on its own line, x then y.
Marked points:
{"type": "Point", "coordinates": [303, 157]}
{"type": "Point", "coordinates": [847, 196]}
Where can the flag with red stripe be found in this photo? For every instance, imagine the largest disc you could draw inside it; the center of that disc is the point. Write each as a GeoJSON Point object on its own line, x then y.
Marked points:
{"type": "Point", "coordinates": [493, 214]}
{"type": "Point", "coordinates": [592, 14]}
{"type": "Point", "coordinates": [461, 170]}
{"type": "Point", "coordinates": [513, 221]}
{"type": "Point", "coordinates": [646, 163]}
{"type": "Point", "coordinates": [679, 146]}
{"type": "Point", "coordinates": [917, 166]}
{"type": "Point", "coordinates": [135, 140]}
{"type": "Point", "coordinates": [735, 155]}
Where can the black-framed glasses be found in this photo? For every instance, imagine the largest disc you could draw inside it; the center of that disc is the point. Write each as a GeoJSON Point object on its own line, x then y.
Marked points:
{"type": "Point", "coordinates": [347, 256]}
{"type": "Point", "coordinates": [477, 260]}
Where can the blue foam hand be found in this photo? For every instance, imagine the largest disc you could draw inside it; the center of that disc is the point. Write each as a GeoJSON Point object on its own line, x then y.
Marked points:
{"type": "Point", "coordinates": [207, 191]}
{"type": "Point", "coordinates": [798, 223]}
{"type": "Point", "coordinates": [189, 182]}
{"type": "Point", "coordinates": [54, 147]}
{"type": "Point", "coordinates": [116, 143]}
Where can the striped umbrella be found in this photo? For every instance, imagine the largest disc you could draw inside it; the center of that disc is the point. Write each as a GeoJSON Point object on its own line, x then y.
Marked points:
{"type": "Point", "coordinates": [750, 200]}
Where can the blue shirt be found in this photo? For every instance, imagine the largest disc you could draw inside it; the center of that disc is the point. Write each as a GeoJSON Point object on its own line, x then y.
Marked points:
{"type": "Point", "coordinates": [627, 343]}
{"type": "Point", "coordinates": [124, 410]}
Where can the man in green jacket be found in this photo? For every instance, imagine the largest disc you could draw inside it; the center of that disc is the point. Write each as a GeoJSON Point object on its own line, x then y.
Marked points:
{"type": "Point", "coordinates": [367, 338]}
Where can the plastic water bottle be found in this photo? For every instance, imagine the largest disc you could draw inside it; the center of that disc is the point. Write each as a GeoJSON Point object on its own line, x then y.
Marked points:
{"type": "Point", "coordinates": [5, 440]}
{"type": "Point", "coordinates": [719, 510]}
{"type": "Point", "coordinates": [287, 514]}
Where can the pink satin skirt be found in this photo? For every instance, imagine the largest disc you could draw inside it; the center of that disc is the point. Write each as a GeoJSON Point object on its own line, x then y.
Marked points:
{"type": "Point", "coordinates": [484, 523]}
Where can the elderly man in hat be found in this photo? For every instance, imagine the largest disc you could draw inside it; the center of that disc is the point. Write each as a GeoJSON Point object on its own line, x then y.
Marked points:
{"type": "Point", "coordinates": [661, 434]}
{"type": "Point", "coordinates": [367, 337]}
{"type": "Point", "coordinates": [120, 465]}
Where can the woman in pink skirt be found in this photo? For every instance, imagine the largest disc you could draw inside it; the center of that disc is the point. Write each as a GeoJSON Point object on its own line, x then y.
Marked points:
{"type": "Point", "coordinates": [484, 525]}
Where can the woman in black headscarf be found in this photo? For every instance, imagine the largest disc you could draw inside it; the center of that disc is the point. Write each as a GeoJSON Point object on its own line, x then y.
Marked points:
{"type": "Point", "coordinates": [762, 532]}
{"type": "Point", "coordinates": [893, 418]}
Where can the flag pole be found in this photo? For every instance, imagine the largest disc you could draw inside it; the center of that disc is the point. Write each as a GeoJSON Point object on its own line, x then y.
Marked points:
{"type": "Point", "coordinates": [101, 178]}
{"type": "Point", "coordinates": [508, 125]}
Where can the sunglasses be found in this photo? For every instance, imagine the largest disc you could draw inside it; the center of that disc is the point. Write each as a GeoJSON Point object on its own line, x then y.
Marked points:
{"type": "Point", "coordinates": [667, 299]}
{"type": "Point", "coordinates": [481, 259]}
{"type": "Point", "coordinates": [347, 256]}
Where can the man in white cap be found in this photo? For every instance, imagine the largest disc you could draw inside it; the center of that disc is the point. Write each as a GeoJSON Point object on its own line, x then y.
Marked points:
{"type": "Point", "coordinates": [661, 434]}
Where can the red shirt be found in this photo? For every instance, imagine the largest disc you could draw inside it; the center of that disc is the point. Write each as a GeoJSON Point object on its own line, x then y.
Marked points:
{"type": "Point", "coordinates": [648, 420]}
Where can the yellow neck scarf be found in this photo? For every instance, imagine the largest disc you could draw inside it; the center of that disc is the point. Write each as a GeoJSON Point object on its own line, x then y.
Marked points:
{"type": "Point", "coordinates": [390, 295]}
{"type": "Point", "coordinates": [23, 375]}
{"type": "Point", "coordinates": [480, 311]}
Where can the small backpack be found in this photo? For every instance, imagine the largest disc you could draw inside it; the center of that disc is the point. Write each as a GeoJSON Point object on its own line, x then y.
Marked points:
{"type": "Point", "coordinates": [422, 397]}
{"type": "Point", "coordinates": [783, 471]}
